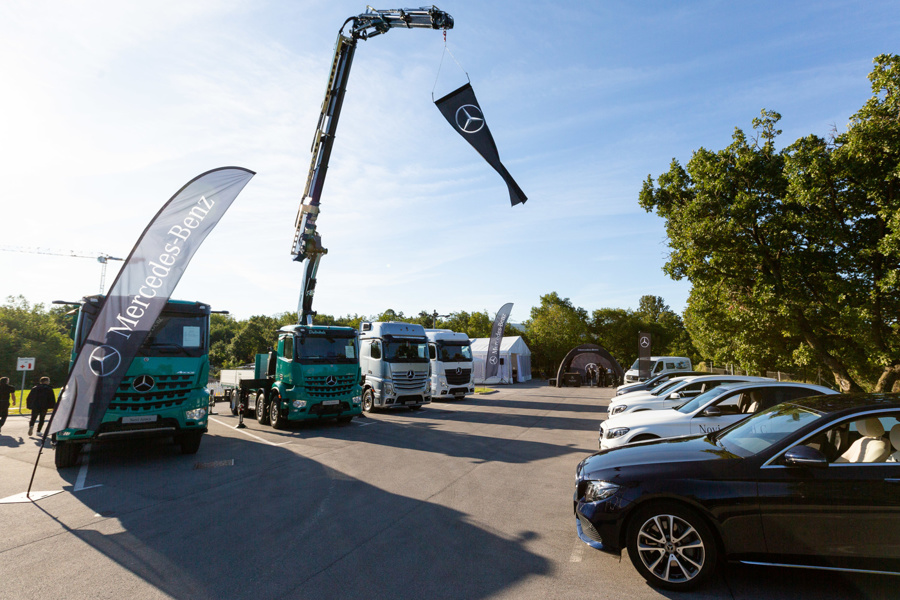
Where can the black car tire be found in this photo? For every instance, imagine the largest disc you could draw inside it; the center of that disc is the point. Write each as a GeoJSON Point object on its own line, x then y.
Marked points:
{"type": "Point", "coordinates": [671, 546]}
{"type": "Point", "coordinates": [276, 420]}
{"type": "Point", "coordinates": [368, 400]}
{"type": "Point", "coordinates": [190, 442]}
{"type": "Point", "coordinates": [262, 413]}
{"type": "Point", "coordinates": [66, 454]}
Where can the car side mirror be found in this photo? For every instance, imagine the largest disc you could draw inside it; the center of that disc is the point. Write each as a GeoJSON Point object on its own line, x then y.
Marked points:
{"type": "Point", "coordinates": [712, 411]}
{"type": "Point", "coordinates": [674, 396]}
{"type": "Point", "coordinates": [804, 456]}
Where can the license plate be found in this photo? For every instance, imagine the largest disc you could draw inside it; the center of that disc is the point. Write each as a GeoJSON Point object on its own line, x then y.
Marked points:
{"type": "Point", "coordinates": [411, 402]}
{"type": "Point", "coordinates": [330, 402]}
{"type": "Point", "coordinates": [141, 419]}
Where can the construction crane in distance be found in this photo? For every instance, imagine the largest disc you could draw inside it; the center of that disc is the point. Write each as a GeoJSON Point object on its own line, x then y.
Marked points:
{"type": "Point", "coordinates": [101, 258]}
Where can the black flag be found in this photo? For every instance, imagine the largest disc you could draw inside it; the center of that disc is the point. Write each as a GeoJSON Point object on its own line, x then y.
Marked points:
{"type": "Point", "coordinates": [644, 353]}
{"type": "Point", "coordinates": [493, 353]}
{"type": "Point", "coordinates": [140, 292]}
{"type": "Point", "coordinates": [461, 109]}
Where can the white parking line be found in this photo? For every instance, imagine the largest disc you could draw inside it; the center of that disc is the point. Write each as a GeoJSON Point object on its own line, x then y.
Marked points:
{"type": "Point", "coordinates": [577, 552]}
{"type": "Point", "coordinates": [247, 433]}
{"type": "Point", "coordinates": [82, 472]}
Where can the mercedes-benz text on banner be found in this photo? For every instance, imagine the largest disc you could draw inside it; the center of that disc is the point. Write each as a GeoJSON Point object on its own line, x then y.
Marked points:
{"type": "Point", "coordinates": [140, 292]}
{"type": "Point", "coordinates": [462, 111]}
{"type": "Point", "coordinates": [493, 353]}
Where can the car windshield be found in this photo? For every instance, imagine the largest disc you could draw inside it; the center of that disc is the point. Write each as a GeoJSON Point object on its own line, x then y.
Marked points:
{"type": "Point", "coordinates": [454, 352]}
{"type": "Point", "coordinates": [312, 348]}
{"type": "Point", "coordinates": [695, 403]}
{"type": "Point", "coordinates": [412, 351]}
{"type": "Point", "coordinates": [762, 430]}
{"type": "Point", "coordinates": [665, 387]}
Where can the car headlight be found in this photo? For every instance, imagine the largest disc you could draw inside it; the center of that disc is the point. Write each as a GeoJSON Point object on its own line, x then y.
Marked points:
{"type": "Point", "coordinates": [617, 432]}
{"type": "Point", "coordinates": [443, 380]}
{"type": "Point", "coordinates": [356, 399]}
{"type": "Point", "coordinates": [599, 490]}
{"type": "Point", "coordinates": [617, 409]}
{"type": "Point", "coordinates": [298, 404]}
{"type": "Point", "coordinates": [196, 414]}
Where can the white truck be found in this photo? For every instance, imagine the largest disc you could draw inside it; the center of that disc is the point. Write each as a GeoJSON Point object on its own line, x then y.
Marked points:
{"type": "Point", "coordinates": [229, 381]}
{"type": "Point", "coordinates": [450, 354]}
{"type": "Point", "coordinates": [394, 361]}
{"type": "Point", "coordinates": [658, 364]}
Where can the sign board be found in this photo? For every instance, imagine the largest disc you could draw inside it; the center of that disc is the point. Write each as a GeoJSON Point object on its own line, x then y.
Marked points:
{"type": "Point", "coordinates": [25, 364]}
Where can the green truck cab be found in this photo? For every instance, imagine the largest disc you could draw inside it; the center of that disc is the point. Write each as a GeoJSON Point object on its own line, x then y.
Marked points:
{"type": "Point", "coordinates": [311, 374]}
{"type": "Point", "coordinates": [164, 391]}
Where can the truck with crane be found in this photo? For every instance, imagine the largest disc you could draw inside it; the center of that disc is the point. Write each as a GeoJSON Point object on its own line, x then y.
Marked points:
{"type": "Point", "coordinates": [314, 370]}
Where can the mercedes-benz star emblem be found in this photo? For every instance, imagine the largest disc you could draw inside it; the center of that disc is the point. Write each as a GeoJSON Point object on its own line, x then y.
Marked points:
{"type": "Point", "coordinates": [459, 370]}
{"type": "Point", "coordinates": [330, 380]}
{"type": "Point", "coordinates": [645, 342]}
{"type": "Point", "coordinates": [144, 383]}
{"type": "Point", "coordinates": [410, 374]}
{"type": "Point", "coordinates": [104, 360]}
{"type": "Point", "coordinates": [469, 118]}
{"type": "Point", "coordinates": [493, 360]}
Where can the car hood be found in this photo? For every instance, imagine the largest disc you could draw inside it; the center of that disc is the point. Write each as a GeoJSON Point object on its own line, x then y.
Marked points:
{"type": "Point", "coordinates": [657, 452]}
{"type": "Point", "coordinates": [647, 417]}
{"type": "Point", "coordinates": [632, 396]}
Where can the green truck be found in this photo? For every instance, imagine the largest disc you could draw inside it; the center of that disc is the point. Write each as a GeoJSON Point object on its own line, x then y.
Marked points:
{"type": "Point", "coordinates": [164, 391]}
{"type": "Point", "coordinates": [312, 374]}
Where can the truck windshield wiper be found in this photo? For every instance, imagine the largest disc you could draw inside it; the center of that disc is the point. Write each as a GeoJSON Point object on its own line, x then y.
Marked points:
{"type": "Point", "coordinates": [171, 345]}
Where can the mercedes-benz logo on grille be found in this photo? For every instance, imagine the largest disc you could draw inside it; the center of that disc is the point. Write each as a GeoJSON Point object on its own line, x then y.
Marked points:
{"type": "Point", "coordinates": [330, 380]}
{"type": "Point", "coordinates": [409, 374]}
{"type": "Point", "coordinates": [469, 118]}
{"type": "Point", "coordinates": [104, 360]}
{"type": "Point", "coordinates": [459, 370]}
{"type": "Point", "coordinates": [144, 383]}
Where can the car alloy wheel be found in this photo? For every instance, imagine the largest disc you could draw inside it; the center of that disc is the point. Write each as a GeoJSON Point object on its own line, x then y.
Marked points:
{"type": "Point", "coordinates": [671, 546]}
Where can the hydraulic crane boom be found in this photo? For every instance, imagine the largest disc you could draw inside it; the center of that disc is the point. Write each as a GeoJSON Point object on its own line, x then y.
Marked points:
{"type": "Point", "coordinates": [307, 244]}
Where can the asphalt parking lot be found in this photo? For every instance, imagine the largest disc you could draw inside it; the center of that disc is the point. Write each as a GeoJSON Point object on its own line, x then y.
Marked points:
{"type": "Point", "coordinates": [468, 499]}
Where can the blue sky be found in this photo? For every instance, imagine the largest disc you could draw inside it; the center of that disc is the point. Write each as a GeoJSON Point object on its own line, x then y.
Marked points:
{"type": "Point", "coordinates": [110, 107]}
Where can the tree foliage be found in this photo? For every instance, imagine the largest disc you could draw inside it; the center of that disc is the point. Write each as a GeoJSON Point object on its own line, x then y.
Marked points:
{"type": "Point", "coordinates": [794, 254]}
{"type": "Point", "coordinates": [31, 331]}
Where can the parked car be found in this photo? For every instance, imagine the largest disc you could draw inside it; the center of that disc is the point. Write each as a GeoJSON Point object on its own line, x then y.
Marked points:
{"type": "Point", "coordinates": [674, 393]}
{"type": "Point", "coordinates": [715, 409]}
{"type": "Point", "coordinates": [654, 381]}
{"type": "Point", "coordinates": [808, 483]}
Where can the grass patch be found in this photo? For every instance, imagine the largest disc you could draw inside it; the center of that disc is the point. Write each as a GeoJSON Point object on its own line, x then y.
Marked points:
{"type": "Point", "coordinates": [14, 410]}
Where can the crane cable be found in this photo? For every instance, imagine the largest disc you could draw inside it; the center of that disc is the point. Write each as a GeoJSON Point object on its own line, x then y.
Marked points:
{"type": "Point", "coordinates": [441, 64]}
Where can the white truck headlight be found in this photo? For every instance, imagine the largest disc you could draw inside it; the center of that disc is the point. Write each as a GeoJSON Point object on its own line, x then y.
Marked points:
{"type": "Point", "coordinates": [196, 414]}
{"type": "Point", "coordinates": [356, 399]}
{"type": "Point", "coordinates": [443, 380]}
{"type": "Point", "coordinates": [388, 387]}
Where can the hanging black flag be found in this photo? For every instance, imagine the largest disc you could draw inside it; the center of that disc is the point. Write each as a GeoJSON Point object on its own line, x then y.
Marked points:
{"type": "Point", "coordinates": [493, 353]}
{"type": "Point", "coordinates": [140, 292]}
{"type": "Point", "coordinates": [461, 109]}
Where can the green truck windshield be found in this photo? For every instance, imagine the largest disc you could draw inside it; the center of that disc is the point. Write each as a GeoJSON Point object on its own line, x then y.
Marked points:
{"type": "Point", "coordinates": [315, 348]}
{"type": "Point", "coordinates": [173, 334]}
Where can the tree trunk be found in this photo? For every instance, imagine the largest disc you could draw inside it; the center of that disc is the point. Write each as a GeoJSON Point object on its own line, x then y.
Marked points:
{"type": "Point", "coordinates": [888, 378]}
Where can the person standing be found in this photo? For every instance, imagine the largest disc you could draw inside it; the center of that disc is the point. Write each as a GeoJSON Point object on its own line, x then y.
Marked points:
{"type": "Point", "coordinates": [40, 399]}
{"type": "Point", "coordinates": [7, 399]}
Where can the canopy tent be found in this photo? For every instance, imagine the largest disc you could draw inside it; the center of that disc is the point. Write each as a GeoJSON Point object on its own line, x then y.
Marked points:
{"type": "Point", "coordinates": [578, 359]}
{"type": "Point", "coordinates": [515, 360]}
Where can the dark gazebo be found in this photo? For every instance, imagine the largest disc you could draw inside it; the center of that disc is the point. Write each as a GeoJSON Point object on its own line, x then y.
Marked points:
{"type": "Point", "coordinates": [574, 366]}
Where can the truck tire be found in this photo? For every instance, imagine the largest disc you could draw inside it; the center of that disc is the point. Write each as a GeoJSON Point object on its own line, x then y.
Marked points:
{"type": "Point", "coordinates": [67, 454]}
{"type": "Point", "coordinates": [276, 420]}
{"type": "Point", "coordinates": [368, 400]}
{"type": "Point", "coordinates": [262, 411]}
{"type": "Point", "coordinates": [190, 442]}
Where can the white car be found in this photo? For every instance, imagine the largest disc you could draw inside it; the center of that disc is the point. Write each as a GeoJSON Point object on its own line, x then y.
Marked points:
{"type": "Point", "coordinates": [673, 393]}
{"type": "Point", "coordinates": [708, 412]}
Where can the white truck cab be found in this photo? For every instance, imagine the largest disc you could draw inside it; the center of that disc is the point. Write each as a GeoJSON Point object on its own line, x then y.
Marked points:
{"type": "Point", "coordinates": [658, 364]}
{"type": "Point", "coordinates": [394, 361]}
{"type": "Point", "coordinates": [450, 354]}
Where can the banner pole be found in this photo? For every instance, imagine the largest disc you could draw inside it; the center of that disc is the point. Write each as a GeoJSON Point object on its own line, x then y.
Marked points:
{"type": "Point", "coordinates": [40, 451]}
{"type": "Point", "coordinates": [22, 393]}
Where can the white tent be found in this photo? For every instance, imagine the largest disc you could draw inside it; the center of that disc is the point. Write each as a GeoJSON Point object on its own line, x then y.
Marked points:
{"type": "Point", "coordinates": [515, 360]}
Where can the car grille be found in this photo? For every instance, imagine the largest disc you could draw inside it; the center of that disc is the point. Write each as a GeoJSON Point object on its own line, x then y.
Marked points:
{"type": "Point", "coordinates": [402, 383]}
{"type": "Point", "coordinates": [458, 379]}
{"type": "Point", "coordinates": [317, 387]}
{"type": "Point", "coordinates": [330, 409]}
{"type": "Point", "coordinates": [168, 391]}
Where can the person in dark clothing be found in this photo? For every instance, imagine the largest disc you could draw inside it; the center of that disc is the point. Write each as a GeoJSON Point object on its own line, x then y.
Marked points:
{"type": "Point", "coordinates": [7, 399]}
{"type": "Point", "coordinates": [40, 399]}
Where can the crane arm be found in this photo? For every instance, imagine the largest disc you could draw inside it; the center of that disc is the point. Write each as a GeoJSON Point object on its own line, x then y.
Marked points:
{"type": "Point", "coordinates": [307, 245]}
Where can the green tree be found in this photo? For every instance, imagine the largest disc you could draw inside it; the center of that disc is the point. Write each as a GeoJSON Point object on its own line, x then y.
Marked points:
{"type": "Point", "coordinates": [794, 254]}
{"type": "Point", "coordinates": [555, 327]}
{"type": "Point", "coordinates": [31, 331]}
